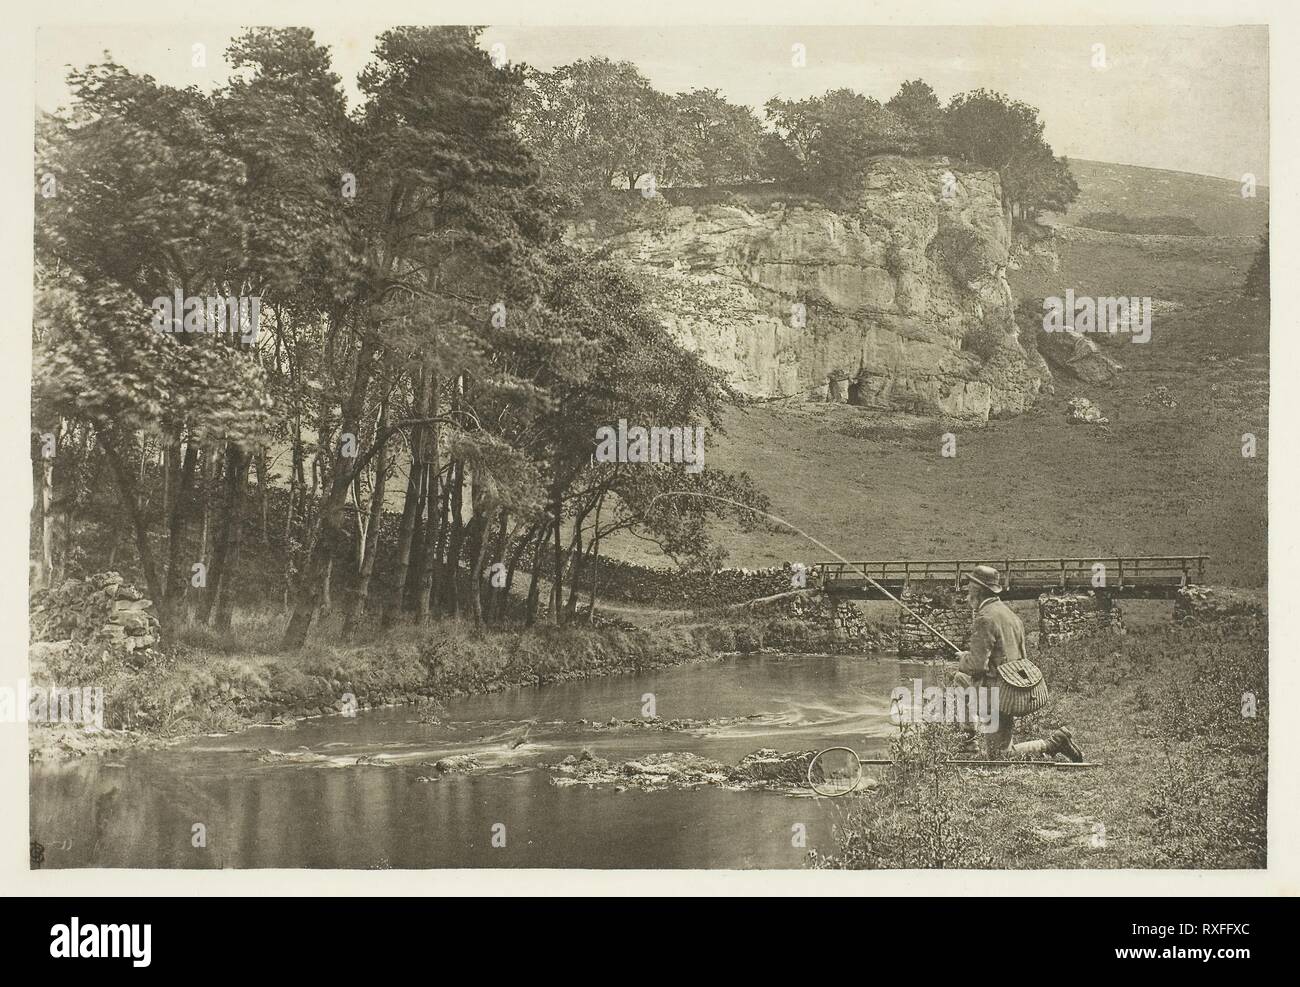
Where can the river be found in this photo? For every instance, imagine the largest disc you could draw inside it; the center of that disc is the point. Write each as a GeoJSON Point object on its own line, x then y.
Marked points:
{"type": "Point", "coordinates": [317, 807]}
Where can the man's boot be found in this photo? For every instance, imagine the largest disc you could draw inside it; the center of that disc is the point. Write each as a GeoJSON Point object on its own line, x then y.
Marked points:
{"type": "Point", "coordinates": [1062, 742]}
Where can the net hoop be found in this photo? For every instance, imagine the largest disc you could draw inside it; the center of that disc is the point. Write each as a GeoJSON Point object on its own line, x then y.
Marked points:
{"type": "Point", "coordinates": [824, 790]}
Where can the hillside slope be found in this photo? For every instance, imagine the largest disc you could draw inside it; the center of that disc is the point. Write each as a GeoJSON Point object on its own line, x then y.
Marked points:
{"type": "Point", "coordinates": [1214, 204]}
{"type": "Point", "coordinates": [1162, 480]}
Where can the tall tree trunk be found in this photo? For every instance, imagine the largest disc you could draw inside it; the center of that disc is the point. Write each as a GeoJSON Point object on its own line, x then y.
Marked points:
{"type": "Point", "coordinates": [480, 559]}
{"type": "Point", "coordinates": [437, 562]}
{"type": "Point", "coordinates": [504, 600]}
{"type": "Point", "coordinates": [575, 556]}
{"type": "Point", "coordinates": [419, 540]}
{"type": "Point", "coordinates": [220, 583]}
{"type": "Point", "coordinates": [230, 537]}
{"type": "Point", "coordinates": [226, 602]}
{"type": "Point", "coordinates": [428, 558]}
{"type": "Point", "coordinates": [595, 557]}
{"type": "Point", "coordinates": [360, 597]}
{"type": "Point", "coordinates": [534, 585]}
{"type": "Point", "coordinates": [178, 567]}
{"type": "Point", "coordinates": [289, 553]}
{"type": "Point", "coordinates": [498, 556]}
{"type": "Point", "coordinates": [131, 501]}
{"type": "Point", "coordinates": [168, 470]}
{"type": "Point", "coordinates": [433, 553]}
{"type": "Point", "coordinates": [557, 583]}
{"type": "Point", "coordinates": [330, 521]}
{"type": "Point", "coordinates": [262, 468]}
{"type": "Point", "coordinates": [457, 536]}
{"type": "Point", "coordinates": [207, 475]}
{"type": "Point", "coordinates": [406, 530]}
{"type": "Point", "coordinates": [298, 474]}
{"type": "Point", "coordinates": [477, 531]}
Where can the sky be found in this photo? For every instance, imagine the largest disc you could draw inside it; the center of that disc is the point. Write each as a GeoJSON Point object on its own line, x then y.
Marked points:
{"type": "Point", "coordinates": [1184, 98]}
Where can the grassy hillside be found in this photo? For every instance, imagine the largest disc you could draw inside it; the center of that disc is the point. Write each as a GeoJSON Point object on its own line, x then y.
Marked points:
{"type": "Point", "coordinates": [1213, 204]}
{"type": "Point", "coordinates": [1185, 269]}
{"type": "Point", "coordinates": [1161, 480]}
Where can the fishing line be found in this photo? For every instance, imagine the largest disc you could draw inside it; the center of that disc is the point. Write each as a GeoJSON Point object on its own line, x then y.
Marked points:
{"type": "Point", "coordinates": [825, 548]}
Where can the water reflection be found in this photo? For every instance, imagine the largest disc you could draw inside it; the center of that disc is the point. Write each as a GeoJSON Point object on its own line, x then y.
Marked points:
{"type": "Point", "coordinates": [316, 807]}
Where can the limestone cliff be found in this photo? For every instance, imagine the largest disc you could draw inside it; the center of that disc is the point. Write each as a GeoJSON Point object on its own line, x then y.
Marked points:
{"type": "Point", "coordinates": [905, 302]}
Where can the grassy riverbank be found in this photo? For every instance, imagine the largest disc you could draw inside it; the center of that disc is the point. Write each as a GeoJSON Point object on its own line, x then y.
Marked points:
{"type": "Point", "coordinates": [209, 683]}
{"type": "Point", "coordinates": [1181, 781]}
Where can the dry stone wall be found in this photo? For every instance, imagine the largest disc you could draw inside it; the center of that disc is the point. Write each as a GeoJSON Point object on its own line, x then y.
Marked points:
{"type": "Point", "coordinates": [102, 608]}
{"type": "Point", "coordinates": [628, 582]}
{"type": "Point", "coordinates": [943, 609]}
{"type": "Point", "coordinates": [1063, 616]}
{"type": "Point", "coordinates": [818, 622]}
{"type": "Point", "coordinates": [1204, 603]}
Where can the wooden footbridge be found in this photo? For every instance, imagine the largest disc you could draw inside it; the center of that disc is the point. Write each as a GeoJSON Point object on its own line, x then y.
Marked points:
{"type": "Point", "coordinates": [1138, 577]}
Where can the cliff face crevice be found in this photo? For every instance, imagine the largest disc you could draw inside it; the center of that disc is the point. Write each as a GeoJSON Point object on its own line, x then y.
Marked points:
{"type": "Point", "coordinates": [897, 300]}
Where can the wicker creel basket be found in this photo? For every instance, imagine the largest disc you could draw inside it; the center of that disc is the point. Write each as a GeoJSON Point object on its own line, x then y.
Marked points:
{"type": "Point", "coordinates": [1021, 688]}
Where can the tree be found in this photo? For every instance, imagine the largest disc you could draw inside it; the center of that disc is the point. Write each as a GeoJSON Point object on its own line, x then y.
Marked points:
{"type": "Point", "coordinates": [447, 218]}
{"type": "Point", "coordinates": [98, 360]}
{"type": "Point", "coordinates": [596, 122]}
{"type": "Point", "coordinates": [830, 138]}
{"type": "Point", "coordinates": [989, 129]}
{"type": "Point", "coordinates": [630, 369]}
{"type": "Point", "coordinates": [1037, 181]}
{"type": "Point", "coordinates": [724, 139]}
{"type": "Point", "coordinates": [284, 117]}
{"type": "Point", "coordinates": [149, 203]}
{"type": "Point", "coordinates": [916, 105]}
{"type": "Point", "coordinates": [992, 130]}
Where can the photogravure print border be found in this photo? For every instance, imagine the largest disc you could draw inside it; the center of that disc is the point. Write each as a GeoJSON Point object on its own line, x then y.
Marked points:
{"type": "Point", "coordinates": [1282, 873]}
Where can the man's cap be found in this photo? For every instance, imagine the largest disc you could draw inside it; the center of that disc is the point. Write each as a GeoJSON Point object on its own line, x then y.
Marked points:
{"type": "Point", "coordinates": [988, 577]}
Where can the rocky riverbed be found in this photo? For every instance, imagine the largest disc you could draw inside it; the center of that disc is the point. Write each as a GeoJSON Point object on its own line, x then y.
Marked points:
{"type": "Point", "coordinates": [765, 769]}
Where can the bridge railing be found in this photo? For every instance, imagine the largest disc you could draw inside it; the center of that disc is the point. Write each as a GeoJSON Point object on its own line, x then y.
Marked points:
{"type": "Point", "coordinates": [1067, 573]}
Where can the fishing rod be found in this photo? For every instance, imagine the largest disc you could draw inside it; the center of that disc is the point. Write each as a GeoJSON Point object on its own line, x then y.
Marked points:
{"type": "Point", "coordinates": [858, 762]}
{"type": "Point", "coordinates": [825, 548]}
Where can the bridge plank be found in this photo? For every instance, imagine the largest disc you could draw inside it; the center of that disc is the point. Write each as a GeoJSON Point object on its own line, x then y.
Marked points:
{"type": "Point", "coordinates": [1148, 576]}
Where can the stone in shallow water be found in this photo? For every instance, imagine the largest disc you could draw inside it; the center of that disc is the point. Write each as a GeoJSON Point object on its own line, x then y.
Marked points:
{"type": "Point", "coordinates": [772, 765]}
{"type": "Point", "coordinates": [456, 764]}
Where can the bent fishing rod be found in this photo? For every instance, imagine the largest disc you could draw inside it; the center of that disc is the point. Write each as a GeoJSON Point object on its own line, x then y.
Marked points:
{"type": "Point", "coordinates": [825, 548]}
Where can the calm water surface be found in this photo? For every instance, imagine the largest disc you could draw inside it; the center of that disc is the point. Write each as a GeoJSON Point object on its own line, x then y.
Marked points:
{"type": "Point", "coordinates": [325, 810]}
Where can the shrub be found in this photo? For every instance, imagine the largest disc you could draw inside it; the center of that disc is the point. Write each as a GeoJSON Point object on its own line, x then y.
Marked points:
{"type": "Point", "coordinates": [984, 340]}
{"type": "Point", "coordinates": [963, 252]}
{"type": "Point", "coordinates": [918, 818]}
